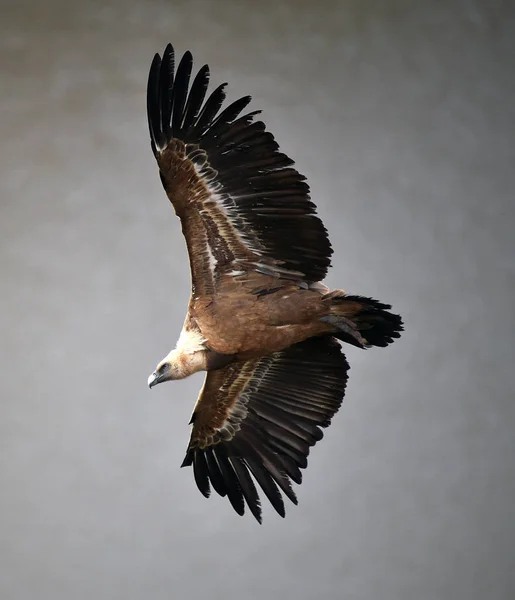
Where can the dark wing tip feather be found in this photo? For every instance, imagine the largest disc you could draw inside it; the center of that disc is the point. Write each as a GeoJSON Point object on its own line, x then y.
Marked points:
{"type": "Point", "coordinates": [153, 105]}
{"type": "Point", "coordinates": [166, 81]}
{"type": "Point", "coordinates": [176, 110]}
{"type": "Point", "coordinates": [179, 93]}
{"type": "Point", "coordinates": [195, 98]}
{"type": "Point", "coordinates": [188, 459]}
{"type": "Point", "coordinates": [230, 478]}
{"type": "Point", "coordinates": [247, 486]}
{"type": "Point", "coordinates": [215, 473]}
{"type": "Point", "coordinates": [201, 473]}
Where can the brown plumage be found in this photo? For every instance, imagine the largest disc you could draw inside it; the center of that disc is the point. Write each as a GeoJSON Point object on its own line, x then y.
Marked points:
{"type": "Point", "coordinates": [259, 320]}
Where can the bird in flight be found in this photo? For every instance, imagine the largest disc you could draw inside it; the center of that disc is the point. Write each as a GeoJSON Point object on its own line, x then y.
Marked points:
{"type": "Point", "coordinates": [260, 321]}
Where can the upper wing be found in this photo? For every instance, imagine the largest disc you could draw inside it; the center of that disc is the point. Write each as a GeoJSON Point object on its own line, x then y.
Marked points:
{"type": "Point", "coordinates": [241, 204]}
{"type": "Point", "coordinates": [261, 417]}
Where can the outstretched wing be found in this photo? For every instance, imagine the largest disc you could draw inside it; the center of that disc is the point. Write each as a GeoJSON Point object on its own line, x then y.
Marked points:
{"type": "Point", "coordinates": [241, 204]}
{"type": "Point", "coordinates": [261, 417]}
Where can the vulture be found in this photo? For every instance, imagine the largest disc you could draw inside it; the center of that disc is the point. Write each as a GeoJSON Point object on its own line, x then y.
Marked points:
{"type": "Point", "coordinates": [260, 321]}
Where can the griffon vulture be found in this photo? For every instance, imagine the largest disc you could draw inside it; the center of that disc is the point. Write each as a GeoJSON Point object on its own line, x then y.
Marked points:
{"type": "Point", "coordinates": [259, 321]}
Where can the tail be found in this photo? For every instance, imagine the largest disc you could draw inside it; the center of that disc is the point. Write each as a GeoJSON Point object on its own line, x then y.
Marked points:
{"type": "Point", "coordinates": [361, 321]}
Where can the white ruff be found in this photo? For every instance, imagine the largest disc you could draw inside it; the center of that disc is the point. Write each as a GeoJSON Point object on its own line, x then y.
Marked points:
{"type": "Point", "coordinates": [190, 342]}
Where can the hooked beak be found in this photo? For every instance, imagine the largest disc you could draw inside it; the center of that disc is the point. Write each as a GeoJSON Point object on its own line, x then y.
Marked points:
{"type": "Point", "coordinates": [162, 373]}
{"type": "Point", "coordinates": [153, 380]}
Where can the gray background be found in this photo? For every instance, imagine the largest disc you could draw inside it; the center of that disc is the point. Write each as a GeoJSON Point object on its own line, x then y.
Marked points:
{"type": "Point", "coordinates": [401, 114]}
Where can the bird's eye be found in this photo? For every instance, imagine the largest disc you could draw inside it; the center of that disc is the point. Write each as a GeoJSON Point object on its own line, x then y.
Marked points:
{"type": "Point", "coordinates": [163, 368]}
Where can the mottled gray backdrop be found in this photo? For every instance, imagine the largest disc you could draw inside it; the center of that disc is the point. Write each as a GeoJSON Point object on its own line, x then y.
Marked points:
{"type": "Point", "coordinates": [402, 115]}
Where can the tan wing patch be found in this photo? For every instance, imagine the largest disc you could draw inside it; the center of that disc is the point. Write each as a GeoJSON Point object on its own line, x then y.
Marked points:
{"type": "Point", "coordinates": [222, 404]}
{"type": "Point", "coordinates": [214, 244]}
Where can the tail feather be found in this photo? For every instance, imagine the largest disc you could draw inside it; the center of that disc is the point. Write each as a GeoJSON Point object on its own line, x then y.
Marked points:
{"type": "Point", "coordinates": [362, 321]}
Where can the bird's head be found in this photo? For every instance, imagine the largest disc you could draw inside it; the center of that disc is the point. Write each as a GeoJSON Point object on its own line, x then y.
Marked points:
{"type": "Point", "coordinates": [177, 365]}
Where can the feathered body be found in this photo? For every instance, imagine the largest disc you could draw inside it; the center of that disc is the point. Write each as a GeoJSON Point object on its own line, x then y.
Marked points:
{"type": "Point", "coordinates": [259, 320]}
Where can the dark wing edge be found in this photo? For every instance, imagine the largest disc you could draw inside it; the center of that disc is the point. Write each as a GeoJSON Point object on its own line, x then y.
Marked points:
{"type": "Point", "coordinates": [265, 197]}
{"type": "Point", "coordinates": [269, 428]}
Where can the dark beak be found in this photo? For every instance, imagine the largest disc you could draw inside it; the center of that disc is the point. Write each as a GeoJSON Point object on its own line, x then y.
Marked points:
{"type": "Point", "coordinates": [153, 380]}
{"type": "Point", "coordinates": [162, 373]}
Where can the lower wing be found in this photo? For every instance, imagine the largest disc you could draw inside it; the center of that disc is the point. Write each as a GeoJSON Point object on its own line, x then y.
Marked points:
{"type": "Point", "coordinates": [260, 417]}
